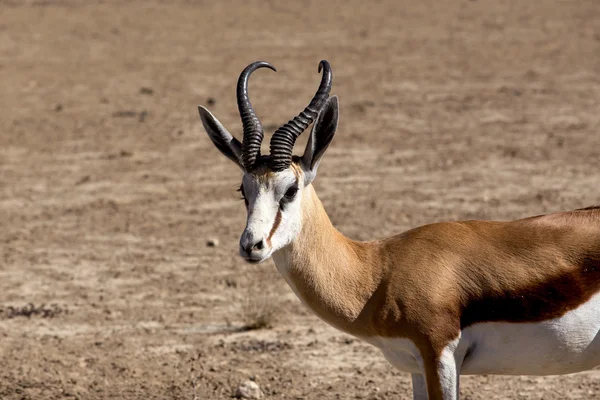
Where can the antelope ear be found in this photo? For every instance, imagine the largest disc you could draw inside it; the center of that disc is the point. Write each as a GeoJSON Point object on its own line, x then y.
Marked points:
{"type": "Point", "coordinates": [320, 137]}
{"type": "Point", "coordinates": [221, 138]}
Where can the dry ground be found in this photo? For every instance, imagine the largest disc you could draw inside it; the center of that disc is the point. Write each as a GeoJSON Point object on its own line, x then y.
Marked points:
{"type": "Point", "coordinates": [110, 189]}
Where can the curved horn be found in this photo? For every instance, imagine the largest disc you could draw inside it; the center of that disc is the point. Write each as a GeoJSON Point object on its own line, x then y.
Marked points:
{"type": "Point", "coordinates": [253, 130]}
{"type": "Point", "coordinates": [282, 142]}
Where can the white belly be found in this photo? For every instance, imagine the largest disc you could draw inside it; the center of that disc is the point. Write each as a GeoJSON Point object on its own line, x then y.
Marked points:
{"type": "Point", "coordinates": [401, 353]}
{"type": "Point", "coordinates": [563, 345]}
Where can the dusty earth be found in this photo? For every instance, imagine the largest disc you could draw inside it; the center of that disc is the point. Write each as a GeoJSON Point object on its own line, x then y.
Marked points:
{"type": "Point", "coordinates": [119, 221]}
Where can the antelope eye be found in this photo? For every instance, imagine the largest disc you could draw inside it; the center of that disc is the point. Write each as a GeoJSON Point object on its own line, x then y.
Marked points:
{"type": "Point", "coordinates": [243, 195]}
{"type": "Point", "coordinates": [291, 193]}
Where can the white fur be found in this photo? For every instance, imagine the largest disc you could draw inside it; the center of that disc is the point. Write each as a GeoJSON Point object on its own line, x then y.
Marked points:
{"type": "Point", "coordinates": [564, 345]}
{"type": "Point", "coordinates": [400, 352]}
{"type": "Point", "coordinates": [448, 370]}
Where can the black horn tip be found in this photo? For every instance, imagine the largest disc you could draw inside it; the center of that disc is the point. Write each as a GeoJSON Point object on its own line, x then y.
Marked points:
{"type": "Point", "coordinates": [242, 85]}
{"type": "Point", "coordinates": [267, 65]}
{"type": "Point", "coordinates": [324, 64]}
{"type": "Point", "coordinates": [259, 64]}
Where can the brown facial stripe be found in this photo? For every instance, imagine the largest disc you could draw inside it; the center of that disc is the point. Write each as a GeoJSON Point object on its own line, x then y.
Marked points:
{"type": "Point", "coordinates": [278, 216]}
{"type": "Point", "coordinates": [541, 302]}
{"type": "Point", "coordinates": [275, 226]}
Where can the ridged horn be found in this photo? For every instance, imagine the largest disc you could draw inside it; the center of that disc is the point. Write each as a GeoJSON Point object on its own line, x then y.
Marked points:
{"type": "Point", "coordinates": [282, 142]}
{"type": "Point", "coordinates": [253, 130]}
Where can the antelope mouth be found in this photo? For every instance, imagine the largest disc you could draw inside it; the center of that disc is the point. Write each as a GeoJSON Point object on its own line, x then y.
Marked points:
{"type": "Point", "coordinates": [257, 260]}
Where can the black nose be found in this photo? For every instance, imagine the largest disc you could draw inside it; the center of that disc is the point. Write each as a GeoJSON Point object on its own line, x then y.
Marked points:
{"type": "Point", "coordinates": [259, 246]}
{"type": "Point", "coordinates": [249, 248]}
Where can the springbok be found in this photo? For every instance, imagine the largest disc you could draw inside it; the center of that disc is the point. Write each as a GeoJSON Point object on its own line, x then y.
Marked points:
{"type": "Point", "coordinates": [472, 297]}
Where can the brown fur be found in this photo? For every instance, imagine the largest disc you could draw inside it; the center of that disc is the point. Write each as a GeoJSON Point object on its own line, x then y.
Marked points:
{"type": "Point", "coordinates": [430, 282]}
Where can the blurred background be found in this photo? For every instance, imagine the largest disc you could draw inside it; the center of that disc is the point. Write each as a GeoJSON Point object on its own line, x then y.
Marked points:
{"type": "Point", "coordinates": [119, 220]}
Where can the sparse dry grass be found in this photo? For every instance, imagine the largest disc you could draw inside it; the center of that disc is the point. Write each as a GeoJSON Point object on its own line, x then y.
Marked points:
{"type": "Point", "coordinates": [259, 309]}
{"type": "Point", "coordinates": [29, 310]}
{"type": "Point", "coordinates": [261, 303]}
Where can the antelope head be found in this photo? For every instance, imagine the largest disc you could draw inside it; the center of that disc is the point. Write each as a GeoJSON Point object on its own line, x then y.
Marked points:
{"type": "Point", "coordinates": [273, 185]}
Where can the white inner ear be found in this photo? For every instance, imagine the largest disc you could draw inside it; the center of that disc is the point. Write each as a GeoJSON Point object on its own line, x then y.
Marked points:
{"type": "Point", "coordinates": [309, 151]}
{"type": "Point", "coordinates": [309, 174]}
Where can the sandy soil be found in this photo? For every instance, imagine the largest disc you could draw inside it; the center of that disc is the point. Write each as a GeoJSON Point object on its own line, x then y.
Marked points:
{"type": "Point", "coordinates": [110, 190]}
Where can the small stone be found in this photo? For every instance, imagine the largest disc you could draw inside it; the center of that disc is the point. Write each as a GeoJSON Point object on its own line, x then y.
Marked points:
{"type": "Point", "coordinates": [214, 242]}
{"type": "Point", "coordinates": [248, 390]}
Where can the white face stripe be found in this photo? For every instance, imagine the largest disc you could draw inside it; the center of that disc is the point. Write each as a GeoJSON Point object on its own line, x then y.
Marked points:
{"type": "Point", "coordinates": [262, 208]}
{"type": "Point", "coordinates": [268, 219]}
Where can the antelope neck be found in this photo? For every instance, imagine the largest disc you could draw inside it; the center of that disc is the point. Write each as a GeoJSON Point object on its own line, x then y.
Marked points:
{"type": "Point", "coordinates": [332, 274]}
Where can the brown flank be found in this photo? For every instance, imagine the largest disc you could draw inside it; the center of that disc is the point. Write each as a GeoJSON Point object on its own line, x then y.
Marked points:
{"type": "Point", "coordinates": [541, 301]}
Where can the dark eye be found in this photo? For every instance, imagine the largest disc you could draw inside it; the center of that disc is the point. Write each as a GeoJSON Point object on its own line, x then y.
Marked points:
{"type": "Point", "coordinates": [243, 195]}
{"type": "Point", "coordinates": [291, 193]}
